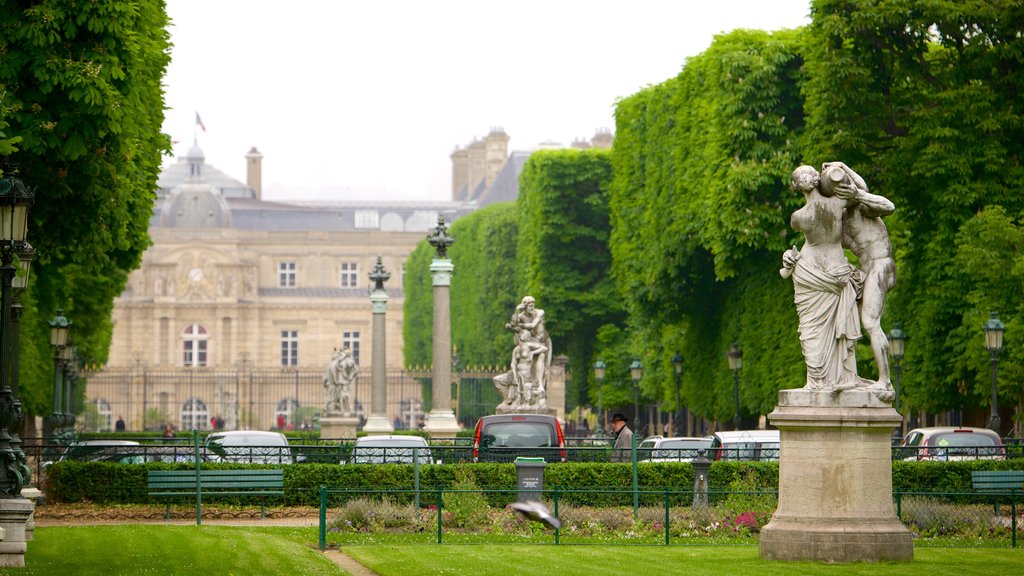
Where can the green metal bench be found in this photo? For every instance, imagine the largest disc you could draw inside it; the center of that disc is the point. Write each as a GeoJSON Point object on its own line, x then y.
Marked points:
{"type": "Point", "coordinates": [185, 483]}
{"type": "Point", "coordinates": [1005, 481]}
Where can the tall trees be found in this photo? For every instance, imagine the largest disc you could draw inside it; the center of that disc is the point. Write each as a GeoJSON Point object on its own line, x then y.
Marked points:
{"type": "Point", "coordinates": [82, 84]}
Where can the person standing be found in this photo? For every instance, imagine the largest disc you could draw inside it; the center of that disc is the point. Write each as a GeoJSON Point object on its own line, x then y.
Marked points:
{"type": "Point", "coordinates": [119, 425]}
{"type": "Point", "coordinates": [623, 439]}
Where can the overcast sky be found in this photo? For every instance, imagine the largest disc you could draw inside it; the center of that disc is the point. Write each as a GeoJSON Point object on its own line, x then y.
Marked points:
{"type": "Point", "coordinates": [366, 100]}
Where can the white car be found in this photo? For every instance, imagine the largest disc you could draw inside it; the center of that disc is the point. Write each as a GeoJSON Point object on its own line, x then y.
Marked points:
{"type": "Point", "coordinates": [952, 443]}
{"type": "Point", "coordinates": [248, 447]}
{"type": "Point", "coordinates": [678, 449]}
{"type": "Point", "coordinates": [391, 449]}
{"type": "Point", "coordinates": [762, 445]}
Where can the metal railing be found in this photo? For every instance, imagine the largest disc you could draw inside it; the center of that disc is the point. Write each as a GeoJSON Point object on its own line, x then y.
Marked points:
{"type": "Point", "coordinates": [666, 516]}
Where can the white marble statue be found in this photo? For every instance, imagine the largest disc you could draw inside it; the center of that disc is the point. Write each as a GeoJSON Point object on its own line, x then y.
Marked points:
{"type": "Point", "coordinates": [524, 386]}
{"type": "Point", "coordinates": [833, 298]}
{"type": "Point", "coordinates": [338, 379]}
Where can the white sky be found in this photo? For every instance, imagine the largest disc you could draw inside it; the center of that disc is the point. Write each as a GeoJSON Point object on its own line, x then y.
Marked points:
{"type": "Point", "coordinates": [366, 99]}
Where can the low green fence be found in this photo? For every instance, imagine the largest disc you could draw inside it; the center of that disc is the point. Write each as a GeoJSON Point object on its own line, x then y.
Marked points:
{"type": "Point", "coordinates": [624, 517]}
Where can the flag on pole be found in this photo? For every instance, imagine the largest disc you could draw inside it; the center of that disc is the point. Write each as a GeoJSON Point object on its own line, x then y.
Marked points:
{"type": "Point", "coordinates": [199, 122]}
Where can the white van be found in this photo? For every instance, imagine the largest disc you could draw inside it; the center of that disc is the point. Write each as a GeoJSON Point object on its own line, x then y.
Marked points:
{"type": "Point", "coordinates": [762, 445]}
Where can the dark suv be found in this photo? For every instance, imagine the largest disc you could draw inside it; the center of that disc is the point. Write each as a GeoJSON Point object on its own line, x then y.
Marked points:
{"type": "Point", "coordinates": [503, 437]}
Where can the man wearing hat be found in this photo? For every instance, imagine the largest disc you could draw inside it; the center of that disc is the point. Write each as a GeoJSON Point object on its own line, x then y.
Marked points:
{"type": "Point", "coordinates": [623, 439]}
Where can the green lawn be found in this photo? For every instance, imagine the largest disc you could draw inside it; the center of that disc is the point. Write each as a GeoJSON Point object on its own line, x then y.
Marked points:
{"type": "Point", "coordinates": [179, 550]}
{"type": "Point", "coordinates": [223, 551]}
{"type": "Point", "coordinates": [549, 560]}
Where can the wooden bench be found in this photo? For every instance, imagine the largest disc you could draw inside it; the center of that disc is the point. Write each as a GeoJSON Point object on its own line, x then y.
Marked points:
{"type": "Point", "coordinates": [183, 483]}
{"type": "Point", "coordinates": [1004, 481]}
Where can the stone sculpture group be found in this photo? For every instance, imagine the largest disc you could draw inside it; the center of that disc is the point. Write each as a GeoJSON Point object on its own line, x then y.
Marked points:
{"type": "Point", "coordinates": [338, 379]}
{"type": "Point", "coordinates": [834, 299]}
{"type": "Point", "coordinates": [524, 387]}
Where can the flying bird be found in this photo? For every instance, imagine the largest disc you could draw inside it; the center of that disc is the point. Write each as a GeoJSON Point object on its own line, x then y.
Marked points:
{"type": "Point", "coordinates": [537, 512]}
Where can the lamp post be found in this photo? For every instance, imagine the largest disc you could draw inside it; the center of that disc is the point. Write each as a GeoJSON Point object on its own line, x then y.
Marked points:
{"type": "Point", "coordinates": [15, 200]}
{"type": "Point", "coordinates": [18, 285]}
{"type": "Point", "coordinates": [59, 329]}
{"type": "Point", "coordinates": [735, 364]}
{"type": "Point", "coordinates": [636, 372]}
{"type": "Point", "coordinates": [599, 368]}
{"type": "Point", "coordinates": [677, 369]}
{"type": "Point", "coordinates": [897, 346]}
{"type": "Point", "coordinates": [994, 344]}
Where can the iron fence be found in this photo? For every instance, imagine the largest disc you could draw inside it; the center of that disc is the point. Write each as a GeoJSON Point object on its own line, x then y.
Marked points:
{"type": "Point", "coordinates": [284, 399]}
{"type": "Point", "coordinates": [665, 516]}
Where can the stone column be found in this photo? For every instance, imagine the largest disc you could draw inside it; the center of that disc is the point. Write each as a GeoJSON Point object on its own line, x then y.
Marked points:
{"type": "Point", "coordinates": [14, 514]}
{"type": "Point", "coordinates": [378, 421]}
{"type": "Point", "coordinates": [441, 422]}
{"type": "Point", "coordinates": [835, 480]}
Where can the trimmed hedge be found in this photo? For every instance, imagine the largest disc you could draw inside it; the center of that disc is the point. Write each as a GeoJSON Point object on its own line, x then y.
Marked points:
{"type": "Point", "coordinates": [109, 483]}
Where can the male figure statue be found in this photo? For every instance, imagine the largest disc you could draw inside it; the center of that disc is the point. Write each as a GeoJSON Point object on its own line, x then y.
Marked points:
{"type": "Point", "coordinates": [865, 235]}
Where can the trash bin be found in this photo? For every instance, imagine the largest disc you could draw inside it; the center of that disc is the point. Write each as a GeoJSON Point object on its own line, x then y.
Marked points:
{"type": "Point", "coordinates": [530, 478]}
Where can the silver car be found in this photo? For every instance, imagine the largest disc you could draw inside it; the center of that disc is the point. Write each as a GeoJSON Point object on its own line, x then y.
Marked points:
{"type": "Point", "coordinates": [391, 449]}
{"type": "Point", "coordinates": [248, 447]}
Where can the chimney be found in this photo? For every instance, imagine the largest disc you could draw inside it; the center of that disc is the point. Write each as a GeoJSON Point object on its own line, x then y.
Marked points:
{"type": "Point", "coordinates": [477, 166]}
{"type": "Point", "coordinates": [254, 172]}
{"type": "Point", "coordinates": [496, 153]}
{"type": "Point", "coordinates": [602, 138]}
{"type": "Point", "coordinates": [460, 172]}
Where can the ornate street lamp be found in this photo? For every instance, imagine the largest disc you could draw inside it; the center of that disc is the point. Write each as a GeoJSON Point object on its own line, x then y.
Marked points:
{"type": "Point", "coordinates": [735, 364]}
{"type": "Point", "coordinates": [599, 368]}
{"type": "Point", "coordinates": [18, 285]}
{"type": "Point", "coordinates": [677, 369]}
{"type": "Point", "coordinates": [897, 346]}
{"type": "Point", "coordinates": [994, 344]}
{"type": "Point", "coordinates": [15, 200]}
{"type": "Point", "coordinates": [636, 372]}
{"type": "Point", "coordinates": [59, 329]}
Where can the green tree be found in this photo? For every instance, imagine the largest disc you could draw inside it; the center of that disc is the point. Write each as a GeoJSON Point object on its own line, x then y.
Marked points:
{"type": "Point", "coordinates": [923, 99]}
{"type": "Point", "coordinates": [82, 83]}
{"type": "Point", "coordinates": [564, 253]}
{"type": "Point", "coordinates": [699, 210]}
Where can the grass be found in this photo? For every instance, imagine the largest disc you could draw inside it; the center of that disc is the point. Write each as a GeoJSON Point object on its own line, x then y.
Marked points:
{"type": "Point", "coordinates": [135, 549]}
{"type": "Point", "coordinates": [231, 550]}
{"type": "Point", "coordinates": [500, 560]}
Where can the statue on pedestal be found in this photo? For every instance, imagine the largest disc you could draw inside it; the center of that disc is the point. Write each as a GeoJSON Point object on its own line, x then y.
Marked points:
{"type": "Point", "coordinates": [524, 386]}
{"type": "Point", "coordinates": [833, 298]}
{"type": "Point", "coordinates": [338, 378]}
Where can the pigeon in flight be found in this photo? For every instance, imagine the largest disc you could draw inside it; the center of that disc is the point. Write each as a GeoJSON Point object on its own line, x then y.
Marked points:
{"type": "Point", "coordinates": [537, 512]}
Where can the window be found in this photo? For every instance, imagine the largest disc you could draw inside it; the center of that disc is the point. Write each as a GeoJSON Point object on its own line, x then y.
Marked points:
{"type": "Point", "coordinates": [289, 347]}
{"type": "Point", "coordinates": [285, 415]}
{"type": "Point", "coordinates": [350, 340]}
{"type": "Point", "coordinates": [194, 415]}
{"type": "Point", "coordinates": [349, 275]}
{"type": "Point", "coordinates": [286, 275]}
{"type": "Point", "coordinates": [103, 415]}
{"type": "Point", "coordinates": [193, 345]}
{"type": "Point", "coordinates": [367, 219]}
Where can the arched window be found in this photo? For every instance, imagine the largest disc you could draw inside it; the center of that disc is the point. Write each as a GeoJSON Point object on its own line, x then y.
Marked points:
{"type": "Point", "coordinates": [193, 345]}
{"type": "Point", "coordinates": [285, 414]}
{"type": "Point", "coordinates": [194, 414]}
{"type": "Point", "coordinates": [104, 414]}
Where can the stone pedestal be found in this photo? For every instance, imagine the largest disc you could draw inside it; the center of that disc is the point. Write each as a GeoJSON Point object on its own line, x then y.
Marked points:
{"type": "Point", "coordinates": [33, 495]}
{"type": "Point", "coordinates": [338, 426]}
{"type": "Point", "coordinates": [835, 480]}
{"type": "Point", "coordinates": [526, 410]}
{"type": "Point", "coordinates": [378, 425]}
{"type": "Point", "coordinates": [14, 513]}
{"type": "Point", "coordinates": [441, 424]}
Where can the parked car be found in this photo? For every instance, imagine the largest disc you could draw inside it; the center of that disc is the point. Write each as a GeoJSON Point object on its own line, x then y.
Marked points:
{"type": "Point", "coordinates": [390, 449]}
{"type": "Point", "coordinates": [248, 447]}
{"type": "Point", "coordinates": [679, 449]}
{"type": "Point", "coordinates": [759, 445]}
{"type": "Point", "coordinates": [952, 443]}
{"type": "Point", "coordinates": [119, 451]}
{"type": "Point", "coordinates": [504, 437]}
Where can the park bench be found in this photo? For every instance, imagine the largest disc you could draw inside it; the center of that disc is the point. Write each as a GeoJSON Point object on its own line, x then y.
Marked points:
{"type": "Point", "coordinates": [1002, 481]}
{"type": "Point", "coordinates": [172, 484]}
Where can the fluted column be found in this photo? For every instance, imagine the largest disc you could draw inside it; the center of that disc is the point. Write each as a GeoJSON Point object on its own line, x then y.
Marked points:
{"type": "Point", "coordinates": [378, 420]}
{"type": "Point", "coordinates": [441, 422]}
